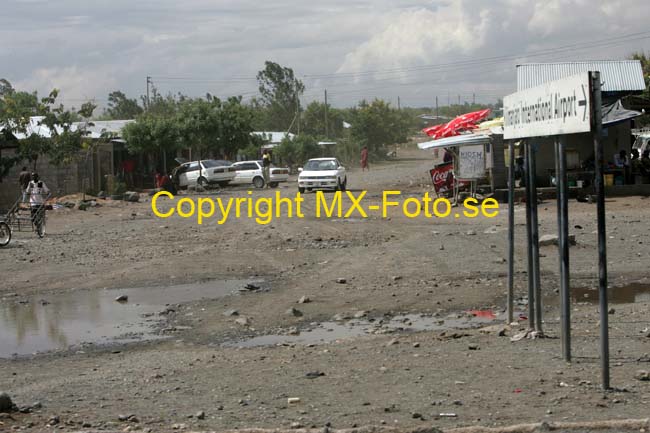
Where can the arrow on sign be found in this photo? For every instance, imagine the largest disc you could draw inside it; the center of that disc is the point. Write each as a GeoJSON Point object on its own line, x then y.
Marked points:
{"type": "Point", "coordinates": [583, 103]}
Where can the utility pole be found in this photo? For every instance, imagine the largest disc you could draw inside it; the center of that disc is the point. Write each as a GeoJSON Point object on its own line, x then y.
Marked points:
{"type": "Point", "coordinates": [148, 100]}
{"type": "Point", "coordinates": [437, 107]}
{"type": "Point", "coordinates": [326, 109]}
{"type": "Point", "coordinates": [473, 98]}
{"type": "Point", "coordinates": [398, 104]}
{"type": "Point", "coordinates": [297, 102]}
{"type": "Point", "coordinates": [460, 110]}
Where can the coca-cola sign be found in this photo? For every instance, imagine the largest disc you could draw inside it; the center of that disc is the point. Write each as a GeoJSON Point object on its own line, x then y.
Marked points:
{"type": "Point", "coordinates": [442, 177]}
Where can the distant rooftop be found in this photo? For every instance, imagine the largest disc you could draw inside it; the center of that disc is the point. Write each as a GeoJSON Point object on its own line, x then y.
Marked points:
{"type": "Point", "coordinates": [273, 137]}
{"type": "Point", "coordinates": [94, 129]}
{"type": "Point", "coordinates": [625, 76]}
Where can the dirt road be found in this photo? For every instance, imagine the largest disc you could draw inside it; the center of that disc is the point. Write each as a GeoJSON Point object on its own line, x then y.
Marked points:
{"type": "Point", "coordinates": [370, 371]}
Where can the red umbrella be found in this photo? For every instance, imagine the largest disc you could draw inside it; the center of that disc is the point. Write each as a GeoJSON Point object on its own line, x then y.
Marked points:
{"type": "Point", "coordinates": [432, 129]}
{"type": "Point", "coordinates": [461, 123]}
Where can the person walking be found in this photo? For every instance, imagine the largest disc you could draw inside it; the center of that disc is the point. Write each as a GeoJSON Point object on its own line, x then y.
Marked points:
{"type": "Point", "coordinates": [364, 158]}
{"type": "Point", "coordinates": [23, 179]}
{"type": "Point", "coordinates": [38, 193]}
{"type": "Point", "coordinates": [266, 167]}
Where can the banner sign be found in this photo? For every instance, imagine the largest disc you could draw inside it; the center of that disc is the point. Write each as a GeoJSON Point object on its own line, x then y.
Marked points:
{"type": "Point", "coordinates": [554, 108]}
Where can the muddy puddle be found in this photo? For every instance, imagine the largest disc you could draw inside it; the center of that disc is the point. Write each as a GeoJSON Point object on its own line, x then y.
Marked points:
{"type": "Point", "coordinates": [329, 332]}
{"type": "Point", "coordinates": [630, 294]}
{"type": "Point", "coordinates": [45, 323]}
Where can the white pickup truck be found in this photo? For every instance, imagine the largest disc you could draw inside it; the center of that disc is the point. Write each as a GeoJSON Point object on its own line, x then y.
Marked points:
{"type": "Point", "coordinates": [250, 172]}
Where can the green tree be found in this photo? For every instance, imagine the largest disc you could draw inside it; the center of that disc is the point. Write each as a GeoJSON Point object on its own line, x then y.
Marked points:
{"type": "Point", "coordinates": [209, 126]}
{"type": "Point", "coordinates": [19, 109]}
{"type": "Point", "coordinates": [199, 125]}
{"type": "Point", "coordinates": [236, 122]}
{"type": "Point", "coordinates": [313, 121]}
{"type": "Point", "coordinates": [297, 151]}
{"type": "Point", "coordinates": [152, 134]}
{"type": "Point", "coordinates": [67, 140]}
{"type": "Point", "coordinates": [280, 93]}
{"type": "Point", "coordinates": [377, 125]}
{"type": "Point", "coordinates": [121, 107]}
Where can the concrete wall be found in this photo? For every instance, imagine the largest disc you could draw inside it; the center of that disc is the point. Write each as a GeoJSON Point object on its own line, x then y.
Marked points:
{"type": "Point", "coordinates": [67, 179]}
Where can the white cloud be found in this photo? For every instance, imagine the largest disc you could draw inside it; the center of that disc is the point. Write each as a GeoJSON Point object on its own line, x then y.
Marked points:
{"type": "Point", "coordinates": [420, 36]}
{"type": "Point", "coordinates": [91, 48]}
{"type": "Point", "coordinates": [76, 85]}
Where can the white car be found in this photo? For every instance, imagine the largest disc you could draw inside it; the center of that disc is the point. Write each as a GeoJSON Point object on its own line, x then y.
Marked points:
{"type": "Point", "coordinates": [204, 172]}
{"type": "Point", "coordinates": [322, 173]}
{"type": "Point", "coordinates": [250, 172]}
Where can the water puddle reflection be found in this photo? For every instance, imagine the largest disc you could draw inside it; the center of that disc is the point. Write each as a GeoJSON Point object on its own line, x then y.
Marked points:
{"type": "Point", "coordinates": [630, 294]}
{"type": "Point", "coordinates": [46, 323]}
{"type": "Point", "coordinates": [328, 332]}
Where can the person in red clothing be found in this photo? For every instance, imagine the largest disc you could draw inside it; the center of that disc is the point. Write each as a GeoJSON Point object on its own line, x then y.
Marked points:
{"type": "Point", "coordinates": [364, 158]}
{"type": "Point", "coordinates": [159, 180]}
{"type": "Point", "coordinates": [128, 167]}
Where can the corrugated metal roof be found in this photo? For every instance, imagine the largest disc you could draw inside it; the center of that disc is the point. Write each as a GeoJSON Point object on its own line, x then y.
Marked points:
{"type": "Point", "coordinates": [94, 129]}
{"type": "Point", "coordinates": [616, 75]}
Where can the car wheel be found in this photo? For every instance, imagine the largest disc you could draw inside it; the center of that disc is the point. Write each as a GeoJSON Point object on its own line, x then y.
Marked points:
{"type": "Point", "coordinates": [203, 182]}
{"type": "Point", "coordinates": [344, 185]}
{"type": "Point", "coordinates": [301, 190]}
{"type": "Point", "coordinates": [273, 184]}
{"type": "Point", "coordinates": [258, 182]}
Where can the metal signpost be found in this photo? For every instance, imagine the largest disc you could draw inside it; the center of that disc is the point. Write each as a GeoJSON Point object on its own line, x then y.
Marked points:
{"type": "Point", "coordinates": [559, 108]}
{"type": "Point", "coordinates": [563, 245]}
{"type": "Point", "coordinates": [602, 234]}
{"type": "Point", "coordinates": [511, 232]}
{"type": "Point", "coordinates": [529, 239]}
{"type": "Point", "coordinates": [534, 237]}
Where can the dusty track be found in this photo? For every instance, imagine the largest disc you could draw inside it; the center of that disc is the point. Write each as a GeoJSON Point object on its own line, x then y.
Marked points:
{"type": "Point", "coordinates": [367, 381]}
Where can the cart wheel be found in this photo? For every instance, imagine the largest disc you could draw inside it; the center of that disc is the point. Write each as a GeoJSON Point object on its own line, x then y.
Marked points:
{"type": "Point", "coordinates": [40, 229]}
{"type": "Point", "coordinates": [5, 234]}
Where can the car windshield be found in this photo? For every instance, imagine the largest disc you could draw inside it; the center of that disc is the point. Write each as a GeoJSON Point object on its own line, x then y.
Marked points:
{"type": "Point", "coordinates": [209, 163]}
{"type": "Point", "coordinates": [318, 165]}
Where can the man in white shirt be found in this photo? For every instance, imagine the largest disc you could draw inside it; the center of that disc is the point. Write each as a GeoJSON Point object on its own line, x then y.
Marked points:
{"type": "Point", "coordinates": [38, 192]}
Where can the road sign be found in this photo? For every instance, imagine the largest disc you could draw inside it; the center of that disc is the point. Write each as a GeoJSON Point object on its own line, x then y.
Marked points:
{"type": "Point", "coordinates": [554, 108]}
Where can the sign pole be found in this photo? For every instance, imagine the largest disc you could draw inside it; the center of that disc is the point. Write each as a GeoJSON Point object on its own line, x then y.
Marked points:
{"type": "Point", "coordinates": [602, 232]}
{"type": "Point", "coordinates": [563, 245]}
{"type": "Point", "coordinates": [511, 230]}
{"type": "Point", "coordinates": [535, 237]}
{"type": "Point", "coordinates": [529, 236]}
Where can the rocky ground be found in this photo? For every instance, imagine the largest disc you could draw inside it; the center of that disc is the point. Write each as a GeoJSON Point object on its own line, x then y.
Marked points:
{"type": "Point", "coordinates": [199, 378]}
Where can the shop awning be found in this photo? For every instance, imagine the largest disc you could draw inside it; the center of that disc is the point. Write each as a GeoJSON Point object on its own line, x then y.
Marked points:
{"type": "Point", "coordinates": [616, 113]}
{"type": "Point", "coordinates": [457, 141]}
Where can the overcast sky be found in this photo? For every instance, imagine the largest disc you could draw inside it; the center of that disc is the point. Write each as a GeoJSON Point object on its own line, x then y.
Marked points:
{"type": "Point", "coordinates": [353, 48]}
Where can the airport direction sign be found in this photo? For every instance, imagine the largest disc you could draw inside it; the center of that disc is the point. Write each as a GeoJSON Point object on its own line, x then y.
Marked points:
{"type": "Point", "coordinates": [554, 108]}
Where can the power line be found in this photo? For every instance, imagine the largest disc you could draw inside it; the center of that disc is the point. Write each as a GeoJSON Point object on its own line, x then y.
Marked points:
{"type": "Point", "coordinates": [619, 39]}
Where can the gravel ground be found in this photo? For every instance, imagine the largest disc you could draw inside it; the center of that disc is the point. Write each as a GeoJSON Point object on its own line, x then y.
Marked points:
{"type": "Point", "coordinates": [404, 379]}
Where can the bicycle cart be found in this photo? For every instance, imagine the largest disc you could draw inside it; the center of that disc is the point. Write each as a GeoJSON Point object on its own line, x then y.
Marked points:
{"type": "Point", "coordinates": [23, 217]}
